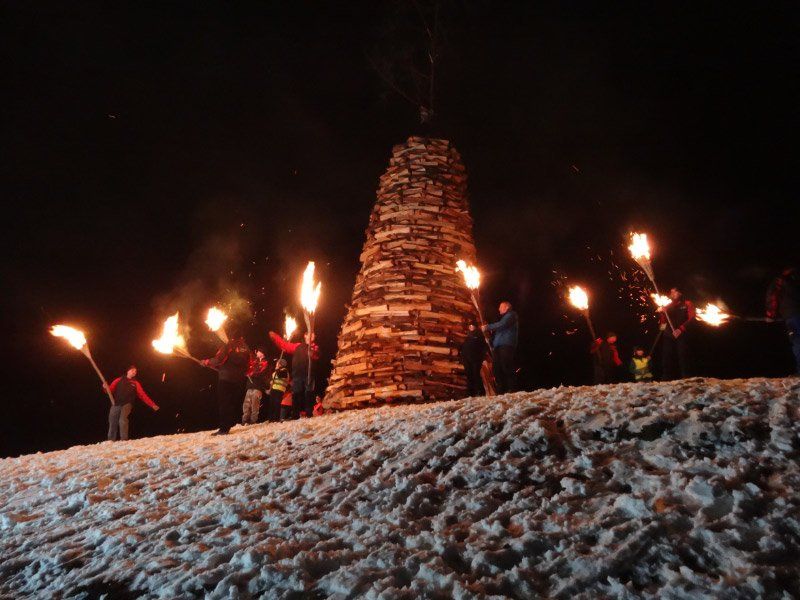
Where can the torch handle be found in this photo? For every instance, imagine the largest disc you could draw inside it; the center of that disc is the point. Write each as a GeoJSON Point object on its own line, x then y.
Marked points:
{"type": "Point", "coordinates": [482, 323]}
{"type": "Point", "coordinates": [185, 354]}
{"type": "Point", "coordinates": [222, 335]}
{"type": "Point", "coordinates": [655, 342]}
{"type": "Point", "coordinates": [590, 324]}
{"type": "Point", "coordinates": [310, 325]}
{"type": "Point", "coordinates": [97, 370]}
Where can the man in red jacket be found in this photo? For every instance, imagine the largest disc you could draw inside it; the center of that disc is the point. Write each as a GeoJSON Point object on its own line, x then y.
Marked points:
{"type": "Point", "coordinates": [675, 349]}
{"type": "Point", "coordinates": [302, 389]}
{"type": "Point", "coordinates": [125, 389]}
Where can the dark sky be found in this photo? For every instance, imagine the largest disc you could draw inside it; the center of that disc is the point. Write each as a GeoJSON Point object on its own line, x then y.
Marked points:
{"type": "Point", "coordinates": [175, 154]}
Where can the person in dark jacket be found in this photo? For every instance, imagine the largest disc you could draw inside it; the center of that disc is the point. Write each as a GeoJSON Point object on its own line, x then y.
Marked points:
{"type": "Point", "coordinates": [125, 390]}
{"type": "Point", "coordinates": [231, 361]}
{"type": "Point", "coordinates": [505, 334]}
{"type": "Point", "coordinates": [302, 388]}
{"type": "Point", "coordinates": [278, 384]}
{"type": "Point", "coordinates": [675, 349]}
{"type": "Point", "coordinates": [606, 359]}
{"type": "Point", "coordinates": [256, 384]}
{"type": "Point", "coordinates": [783, 301]}
{"type": "Point", "coordinates": [473, 351]}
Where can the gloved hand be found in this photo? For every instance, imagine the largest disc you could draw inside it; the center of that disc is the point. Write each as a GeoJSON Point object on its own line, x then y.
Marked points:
{"type": "Point", "coordinates": [663, 326]}
{"type": "Point", "coordinates": [677, 333]}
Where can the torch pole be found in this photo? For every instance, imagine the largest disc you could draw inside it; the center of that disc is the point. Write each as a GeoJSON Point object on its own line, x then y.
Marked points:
{"type": "Point", "coordinates": [590, 324]}
{"type": "Point", "coordinates": [222, 335]}
{"type": "Point", "coordinates": [88, 355]}
{"type": "Point", "coordinates": [647, 267]}
{"type": "Point", "coordinates": [310, 326]}
{"type": "Point", "coordinates": [655, 342]}
{"type": "Point", "coordinates": [482, 323]}
{"type": "Point", "coordinates": [185, 354]}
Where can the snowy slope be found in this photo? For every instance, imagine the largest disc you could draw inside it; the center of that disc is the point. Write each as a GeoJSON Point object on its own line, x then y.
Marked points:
{"type": "Point", "coordinates": [663, 490]}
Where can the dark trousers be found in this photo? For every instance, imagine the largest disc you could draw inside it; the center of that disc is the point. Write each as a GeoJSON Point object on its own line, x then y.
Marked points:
{"type": "Point", "coordinates": [118, 421]}
{"type": "Point", "coordinates": [302, 397]}
{"type": "Point", "coordinates": [675, 357]}
{"type": "Point", "coordinates": [274, 406]}
{"type": "Point", "coordinates": [229, 399]}
{"type": "Point", "coordinates": [504, 374]}
{"type": "Point", "coordinates": [474, 381]}
{"type": "Point", "coordinates": [793, 327]}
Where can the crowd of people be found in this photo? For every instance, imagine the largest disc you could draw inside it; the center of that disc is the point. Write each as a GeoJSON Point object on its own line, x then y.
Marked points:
{"type": "Point", "coordinates": [250, 386]}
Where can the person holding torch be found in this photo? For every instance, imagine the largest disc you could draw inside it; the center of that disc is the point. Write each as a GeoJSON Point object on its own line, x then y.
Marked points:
{"type": "Point", "coordinates": [680, 313]}
{"type": "Point", "coordinates": [231, 361]}
{"type": "Point", "coordinates": [505, 334]}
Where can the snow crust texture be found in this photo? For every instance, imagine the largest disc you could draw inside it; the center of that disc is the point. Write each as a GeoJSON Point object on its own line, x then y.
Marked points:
{"type": "Point", "coordinates": [667, 490]}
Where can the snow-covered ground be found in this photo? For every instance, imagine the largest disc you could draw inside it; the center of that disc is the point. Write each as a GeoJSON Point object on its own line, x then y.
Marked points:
{"type": "Point", "coordinates": [685, 490]}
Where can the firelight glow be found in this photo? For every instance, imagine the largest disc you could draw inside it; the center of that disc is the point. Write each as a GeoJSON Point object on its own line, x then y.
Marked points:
{"type": "Point", "coordinates": [578, 297]}
{"type": "Point", "coordinates": [309, 293]}
{"type": "Point", "coordinates": [75, 337]}
{"type": "Point", "coordinates": [640, 247]}
{"type": "Point", "coordinates": [472, 277]}
{"type": "Point", "coordinates": [170, 338]}
{"type": "Point", "coordinates": [661, 300]}
{"type": "Point", "coordinates": [289, 327]}
{"type": "Point", "coordinates": [215, 318]}
{"type": "Point", "coordinates": [712, 315]}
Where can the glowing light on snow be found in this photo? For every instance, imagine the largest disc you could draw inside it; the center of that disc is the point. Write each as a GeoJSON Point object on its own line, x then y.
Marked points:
{"type": "Point", "coordinates": [712, 315]}
{"type": "Point", "coordinates": [170, 338]}
{"type": "Point", "coordinates": [472, 277]}
{"type": "Point", "coordinates": [578, 297]}
{"type": "Point", "coordinates": [309, 293]}
{"type": "Point", "coordinates": [75, 337]}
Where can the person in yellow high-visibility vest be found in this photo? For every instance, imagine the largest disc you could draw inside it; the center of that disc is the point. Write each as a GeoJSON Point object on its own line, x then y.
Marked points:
{"type": "Point", "coordinates": [278, 384]}
{"type": "Point", "coordinates": [640, 365]}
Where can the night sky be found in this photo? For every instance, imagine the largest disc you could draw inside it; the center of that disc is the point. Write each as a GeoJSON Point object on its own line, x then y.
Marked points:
{"type": "Point", "coordinates": [174, 155]}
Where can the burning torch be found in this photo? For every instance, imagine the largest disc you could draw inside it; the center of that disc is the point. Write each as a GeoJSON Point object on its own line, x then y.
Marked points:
{"type": "Point", "coordinates": [309, 296]}
{"type": "Point", "coordinates": [661, 302]}
{"type": "Point", "coordinates": [289, 327]}
{"type": "Point", "coordinates": [640, 251]}
{"type": "Point", "coordinates": [580, 300]}
{"type": "Point", "coordinates": [77, 340]}
{"type": "Point", "coordinates": [713, 315]}
{"type": "Point", "coordinates": [215, 320]}
{"type": "Point", "coordinates": [472, 279]}
{"type": "Point", "coordinates": [172, 342]}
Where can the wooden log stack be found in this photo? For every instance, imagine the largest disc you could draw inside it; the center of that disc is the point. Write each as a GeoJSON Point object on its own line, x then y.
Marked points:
{"type": "Point", "coordinates": [407, 318]}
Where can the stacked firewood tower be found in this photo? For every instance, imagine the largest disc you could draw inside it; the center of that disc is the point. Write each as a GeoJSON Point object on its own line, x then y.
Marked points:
{"type": "Point", "coordinates": [407, 318]}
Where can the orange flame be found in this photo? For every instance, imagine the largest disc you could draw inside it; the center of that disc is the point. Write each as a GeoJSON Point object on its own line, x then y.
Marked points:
{"type": "Point", "coordinates": [472, 277]}
{"type": "Point", "coordinates": [640, 247]}
{"type": "Point", "coordinates": [712, 315]}
{"type": "Point", "coordinates": [170, 338]}
{"type": "Point", "coordinates": [75, 337]}
{"type": "Point", "coordinates": [661, 300]}
{"type": "Point", "coordinates": [309, 293]}
{"type": "Point", "coordinates": [578, 297]}
{"type": "Point", "coordinates": [289, 326]}
{"type": "Point", "coordinates": [215, 318]}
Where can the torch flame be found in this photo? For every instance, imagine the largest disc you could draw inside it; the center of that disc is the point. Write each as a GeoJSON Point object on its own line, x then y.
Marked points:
{"type": "Point", "coordinates": [215, 318]}
{"type": "Point", "coordinates": [713, 315]}
{"type": "Point", "coordinates": [578, 297]}
{"type": "Point", "coordinates": [76, 338]}
{"type": "Point", "coordinates": [472, 277]}
{"type": "Point", "coordinates": [661, 300]}
{"type": "Point", "coordinates": [309, 294]}
{"type": "Point", "coordinates": [170, 338]}
{"type": "Point", "coordinates": [289, 326]}
{"type": "Point", "coordinates": [640, 247]}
